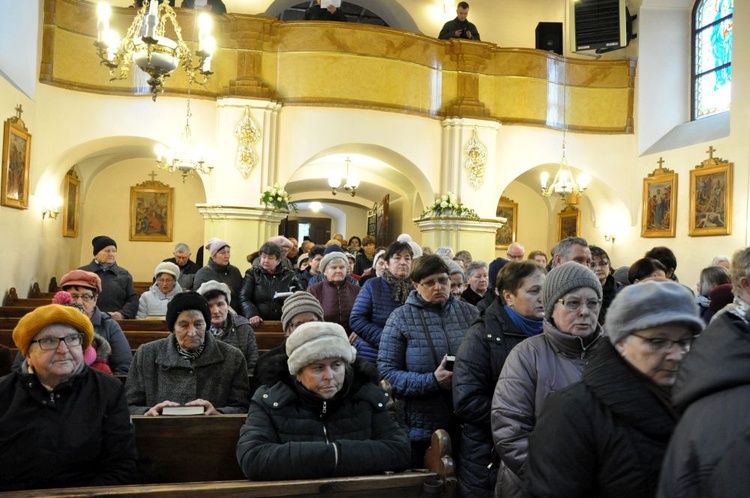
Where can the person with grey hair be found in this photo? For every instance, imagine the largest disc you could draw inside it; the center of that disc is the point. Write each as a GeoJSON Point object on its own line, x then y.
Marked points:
{"type": "Point", "coordinates": [188, 268]}
{"type": "Point", "coordinates": [572, 249]}
{"type": "Point", "coordinates": [457, 276]}
{"type": "Point", "coordinates": [226, 325]}
{"type": "Point", "coordinates": [478, 283]}
{"type": "Point", "coordinates": [444, 252]}
{"type": "Point", "coordinates": [708, 452]}
{"type": "Point", "coordinates": [721, 261]}
{"type": "Point", "coordinates": [464, 257]}
{"type": "Point", "coordinates": [324, 416]}
{"type": "Point", "coordinates": [619, 418]}
{"type": "Point", "coordinates": [543, 364]}
{"type": "Point", "coordinates": [259, 295]}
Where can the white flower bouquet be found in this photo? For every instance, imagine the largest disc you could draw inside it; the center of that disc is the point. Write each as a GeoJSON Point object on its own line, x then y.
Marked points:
{"type": "Point", "coordinates": [276, 197]}
{"type": "Point", "coordinates": [448, 206]}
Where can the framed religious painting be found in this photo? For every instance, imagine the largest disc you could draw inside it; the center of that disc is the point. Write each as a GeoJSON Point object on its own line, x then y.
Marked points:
{"type": "Point", "coordinates": [711, 197]}
{"type": "Point", "coordinates": [71, 203]}
{"type": "Point", "coordinates": [568, 223]}
{"type": "Point", "coordinates": [659, 203]}
{"type": "Point", "coordinates": [506, 234]}
{"type": "Point", "coordinates": [16, 163]}
{"type": "Point", "coordinates": [151, 212]}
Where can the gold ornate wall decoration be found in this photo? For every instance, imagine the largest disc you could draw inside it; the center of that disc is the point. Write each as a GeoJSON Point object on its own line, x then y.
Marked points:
{"type": "Point", "coordinates": [476, 158]}
{"type": "Point", "coordinates": [247, 136]}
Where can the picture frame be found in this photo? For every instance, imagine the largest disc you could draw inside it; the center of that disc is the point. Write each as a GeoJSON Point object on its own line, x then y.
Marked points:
{"type": "Point", "coordinates": [711, 190]}
{"type": "Point", "coordinates": [151, 212]}
{"type": "Point", "coordinates": [506, 234]}
{"type": "Point", "coordinates": [568, 223]}
{"type": "Point", "coordinates": [659, 213]}
{"type": "Point", "coordinates": [16, 163]}
{"type": "Point", "coordinates": [71, 204]}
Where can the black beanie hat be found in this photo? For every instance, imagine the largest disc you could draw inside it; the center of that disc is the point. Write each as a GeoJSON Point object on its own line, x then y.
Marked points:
{"type": "Point", "coordinates": [185, 301]}
{"type": "Point", "coordinates": [102, 241]}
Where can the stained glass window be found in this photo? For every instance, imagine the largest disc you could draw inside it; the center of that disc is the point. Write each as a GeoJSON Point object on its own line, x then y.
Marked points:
{"type": "Point", "coordinates": [712, 57]}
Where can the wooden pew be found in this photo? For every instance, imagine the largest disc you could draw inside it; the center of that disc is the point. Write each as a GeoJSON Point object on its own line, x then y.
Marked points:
{"type": "Point", "coordinates": [438, 480]}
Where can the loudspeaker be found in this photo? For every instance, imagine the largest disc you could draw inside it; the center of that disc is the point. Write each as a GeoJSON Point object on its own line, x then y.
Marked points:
{"type": "Point", "coordinates": [549, 37]}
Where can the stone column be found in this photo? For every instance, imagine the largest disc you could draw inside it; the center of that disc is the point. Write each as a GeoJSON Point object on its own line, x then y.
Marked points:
{"type": "Point", "coordinates": [470, 58]}
{"type": "Point", "coordinates": [476, 236]}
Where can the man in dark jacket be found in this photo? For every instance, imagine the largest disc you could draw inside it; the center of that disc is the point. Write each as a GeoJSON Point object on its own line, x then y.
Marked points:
{"type": "Point", "coordinates": [118, 296]}
{"type": "Point", "coordinates": [325, 416]}
{"type": "Point", "coordinates": [460, 27]}
{"type": "Point", "coordinates": [188, 268]}
{"type": "Point", "coordinates": [713, 393]}
{"type": "Point", "coordinates": [330, 13]}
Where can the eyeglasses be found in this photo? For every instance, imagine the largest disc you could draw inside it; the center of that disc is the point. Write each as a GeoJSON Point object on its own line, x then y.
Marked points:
{"type": "Point", "coordinates": [83, 297]}
{"type": "Point", "coordinates": [600, 264]}
{"type": "Point", "coordinates": [662, 344]}
{"type": "Point", "coordinates": [441, 281]}
{"type": "Point", "coordinates": [574, 304]}
{"type": "Point", "coordinates": [292, 326]}
{"type": "Point", "coordinates": [165, 280]}
{"type": "Point", "coordinates": [51, 342]}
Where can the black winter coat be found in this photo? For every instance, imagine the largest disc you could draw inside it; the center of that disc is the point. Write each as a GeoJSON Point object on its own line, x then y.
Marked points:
{"type": "Point", "coordinates": [118, 292]}
{"type": "Point", "coordinates": [77, 435]}
{"type": "Point", "coordinates": [258, 289]}
{"type": "Point", "coordinates": [478, 364]}
{"type": "Point", "coordinates": [713, 391]}
{"type": "Point", "coordinates": [602, 437]}
{"type": "Point", "coordinates": [229, 275]}
{"type": "Point", "coordinates": [290, 433]}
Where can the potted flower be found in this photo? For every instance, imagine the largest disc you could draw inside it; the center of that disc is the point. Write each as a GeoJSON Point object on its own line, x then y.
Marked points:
{"type": "Point", "coordinates": [276, 197]}
{"type": "Point", "coordinates": [448, 206]}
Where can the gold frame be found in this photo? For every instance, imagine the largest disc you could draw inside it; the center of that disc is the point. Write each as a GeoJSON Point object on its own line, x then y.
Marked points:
{"type": "Point", "coordinates": [721, 170]}
{"type": "Point", "coordinates": [563, 217]}
{"type": "Point", "coordinates": [504, 204]}
{"type": "Point", "coordinates": [656, 179]}
{"type": "Point", "coordinates": [71, 212]}
{"type": "Point", "coordinates": [154, 190]}
{"type": "Point", "coordinates": [15, 129]}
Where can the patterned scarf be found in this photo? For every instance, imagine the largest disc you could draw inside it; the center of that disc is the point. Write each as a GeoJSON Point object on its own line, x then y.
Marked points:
{"type": "Point", "coordinates": [741, 310]}
{"type": "Point", "coordinates": [190, 355]}
{"type": "Point", "coordinates": [400, 288]}
{"type": "Point", "coordinates": [104, 266]}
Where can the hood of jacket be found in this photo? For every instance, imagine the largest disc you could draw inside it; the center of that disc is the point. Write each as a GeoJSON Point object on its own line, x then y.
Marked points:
{"type": "Point", "coordinates": [415, 299]}
{"type": "Point", "coordinates": [718, 360]}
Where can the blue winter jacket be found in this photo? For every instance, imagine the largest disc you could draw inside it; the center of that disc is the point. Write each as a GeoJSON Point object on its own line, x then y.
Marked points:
{"type": "Point", "coordinates": [371, 310]}
{"type": "Point", "coordinates": [408, 363]}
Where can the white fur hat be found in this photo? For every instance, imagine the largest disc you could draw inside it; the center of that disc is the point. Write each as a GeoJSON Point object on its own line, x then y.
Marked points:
{"type": "Point", "coordinates": [168, 268]}
{"type": "Point", "coordinates": [314, 341]}
{"type": "Point", "coordinates": [214, 285]}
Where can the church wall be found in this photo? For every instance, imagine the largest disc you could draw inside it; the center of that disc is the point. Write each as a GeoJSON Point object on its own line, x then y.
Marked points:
{"type": "Point", "coordinates": [106, 211]}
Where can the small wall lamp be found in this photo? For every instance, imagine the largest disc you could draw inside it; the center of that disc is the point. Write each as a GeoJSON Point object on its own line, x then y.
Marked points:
{"type": "Point", "coordinates": [609, 237]}
{"type": "Point", "coordinates": [51, 209]}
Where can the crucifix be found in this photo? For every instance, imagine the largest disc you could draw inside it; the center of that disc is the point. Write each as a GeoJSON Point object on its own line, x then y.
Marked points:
{"type": "Point", "coordinates": [152, 175]}
{"type": "Point", "coordinates": [660, 162]}
{"type": "Point", "coordinates": [19, 111]}
{"type": "Point", "coordinates": [711, 151]}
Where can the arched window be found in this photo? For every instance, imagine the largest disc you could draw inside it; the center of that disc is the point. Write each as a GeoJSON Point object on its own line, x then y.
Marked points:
{"type": "Point", "coordinates": [712, 56]}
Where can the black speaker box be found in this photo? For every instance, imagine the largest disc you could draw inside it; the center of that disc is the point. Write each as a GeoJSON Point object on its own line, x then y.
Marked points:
{"type": "Point", "coordinates": [549, 37]}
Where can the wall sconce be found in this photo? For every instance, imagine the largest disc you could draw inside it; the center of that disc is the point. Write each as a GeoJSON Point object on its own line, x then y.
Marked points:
{"type": "Point", "coordinates": [52, 208]}
{"type": "Point", "coordinates": [609, 237]}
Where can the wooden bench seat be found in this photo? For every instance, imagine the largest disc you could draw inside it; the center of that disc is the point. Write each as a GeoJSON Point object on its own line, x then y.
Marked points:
{"type": "Point", "coordinates": [163, 454]}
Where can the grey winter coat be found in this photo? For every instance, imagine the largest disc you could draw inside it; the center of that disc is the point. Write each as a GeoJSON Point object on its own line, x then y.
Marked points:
{"type": "Point", "coordinates": [535, 369]}
{"type": "Point", "coordinates": [406, 360]}
{"type": "Point", "coordinates": [118, 292]}
{"type": "Point", "coordinates": [159, 373]}
{"type": "Point", "coordinates": [238, 332]}
{"type": "Point", "coordinates": [154, 302]}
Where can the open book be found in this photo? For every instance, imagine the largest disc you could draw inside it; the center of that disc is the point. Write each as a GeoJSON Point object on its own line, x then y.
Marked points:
{"type": "Point", "coordinates": [183, 410]}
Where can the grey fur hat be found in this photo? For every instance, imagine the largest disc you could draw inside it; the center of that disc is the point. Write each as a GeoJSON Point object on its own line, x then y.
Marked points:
{"type": "Point", "coordinates": [651, 304]}
{"type": "Point", "coordinates": [565, 278]}
{"type": "Point", "coordinates": [217, 286]}
{"type": "Point", "coordinates": [314, 341]}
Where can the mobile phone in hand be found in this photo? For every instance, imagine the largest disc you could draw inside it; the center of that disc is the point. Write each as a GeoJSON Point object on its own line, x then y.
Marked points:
{"type": "Point", "coordinates": [450, 360]}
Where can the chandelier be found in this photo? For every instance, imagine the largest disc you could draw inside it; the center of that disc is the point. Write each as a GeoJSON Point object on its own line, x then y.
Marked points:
{"type": "Point", "coordinates": [146, 45]}
{"type": "Point", "coordinates": [350, 183]}
{"type": "Point", "coordinates": [188, 158]}
{"type": "Point", "coordinates": [564, 184]}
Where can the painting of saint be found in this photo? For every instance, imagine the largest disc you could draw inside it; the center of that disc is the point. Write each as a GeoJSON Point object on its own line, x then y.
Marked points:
{"type": "Point", "coordinates": [709, 201]}
{"type": "Point", "coordinates": [658, 215]}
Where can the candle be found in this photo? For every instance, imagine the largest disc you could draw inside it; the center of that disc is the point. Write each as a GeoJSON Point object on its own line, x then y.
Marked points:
{"type": "Point", "coordinates": [103, 12]}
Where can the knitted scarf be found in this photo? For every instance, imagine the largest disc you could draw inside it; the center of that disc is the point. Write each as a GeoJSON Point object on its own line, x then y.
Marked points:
{"type": "Point", "coordinates": [529, 326]}
{"type": "Point", "coordinates": [400, 288]}
{"type": "Point", "coordinates": [190, 355]}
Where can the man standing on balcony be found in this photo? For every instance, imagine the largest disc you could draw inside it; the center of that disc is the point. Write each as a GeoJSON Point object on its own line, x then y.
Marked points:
{"type": "Point", "coordinates": [328, 13]}
{"type": "Point", "coordinates": [460, 27]}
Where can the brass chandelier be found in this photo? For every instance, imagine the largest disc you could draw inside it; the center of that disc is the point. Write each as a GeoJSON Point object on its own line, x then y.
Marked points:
{"type": "Point", "coordinates": [147, 46]}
